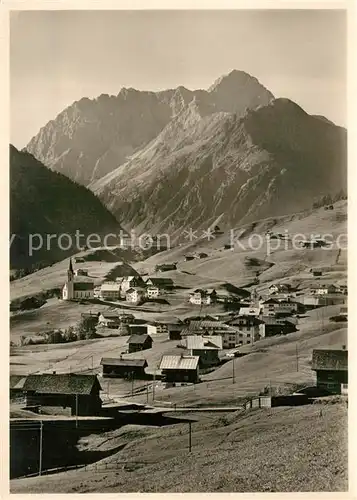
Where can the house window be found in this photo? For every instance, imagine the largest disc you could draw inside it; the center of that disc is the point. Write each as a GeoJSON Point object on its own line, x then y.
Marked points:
{"type": "Point", "coordinates": [241, 334]}
{"type": "Point", "coordinates": [248, 341]}
{"type": "Point", "coordinates": [248, 335]}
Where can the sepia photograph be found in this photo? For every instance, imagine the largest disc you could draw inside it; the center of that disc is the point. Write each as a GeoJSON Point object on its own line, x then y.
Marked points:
{"type": "Point", "coordinates": [178, 251]}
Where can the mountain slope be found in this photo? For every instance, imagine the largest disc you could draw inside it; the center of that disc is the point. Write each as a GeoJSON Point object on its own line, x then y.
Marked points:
{"type": "Point", "coordinates": [44, 202]}
{"type": "Point", "coordinates": [271, 161]}
{"type": "Point", "coordinates": [91, 138]}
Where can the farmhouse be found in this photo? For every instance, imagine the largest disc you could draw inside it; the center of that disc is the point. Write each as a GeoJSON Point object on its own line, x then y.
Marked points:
{"type": "Point", "coordinates": [207, 348]}
{"type": "Point", "coordinates": [130, 282]}
{"type": "Point", "coordinates": [77, 287]}
{"type": "Point", "coordinates": [124, 368]}
{"type": "Point", "coordinates": [135, 295]}
{"type": "Point", "coordinates": [331, 367]}
{"type": "Point", "coordinates": [161, 268]}
{"type": "Point", "coordinates": [202, 297]}
{"type": "Point", "coordinates": [139, 342]}
{"type": "Point", "coordinates": [324, 289]}
{"type": "Point", "coordinates": [109, 319]}
{"type": "Point", "coordinates": [274, 326]}
{"type": "Point", "coordinates": [161, 283]}
{"type": "Point", "coordinates": [280, 288]}
{"type": "Point", "coordinates": [248, 324]}
{"type": "Point", "coordinates": [79, 392]}
{"type": "Point", "coordinates": [110, 290]}
{"type": "Point", "coordinates": [175, 329]}
{"type": "Point", "coordinates": [180, 368]}
{"type": "Point", "coordinates": [273, 307]}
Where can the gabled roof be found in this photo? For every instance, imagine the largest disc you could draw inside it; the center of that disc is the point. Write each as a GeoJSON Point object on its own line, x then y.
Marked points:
{"type": "Point", "coordinates": [68, 383]}
{"type": "Point", "coordinates": [202, 324]}
{"type": "Point", "coordinates": [139, 339]}
{"type": "Point", "coordinates": [124, 362]}
{"type": "Point", "coordinates": [213, 342]}
{"type": "Point", "coordinates": [160, 281]}
{"type": "Point", "coordinates": [271, 301]}
{"type": "Point", "coordinates": [110, 315]}
{"type": "Point", "coordinates": [330, 359]}
{"type": "Point", "coordinates": [179, 362]}
{"type": "Point", "coordinates": [135, 289]}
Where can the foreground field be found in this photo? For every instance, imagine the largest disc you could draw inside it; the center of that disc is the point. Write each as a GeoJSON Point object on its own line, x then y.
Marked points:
{"type": "Point", "coordinates": [281, 449]}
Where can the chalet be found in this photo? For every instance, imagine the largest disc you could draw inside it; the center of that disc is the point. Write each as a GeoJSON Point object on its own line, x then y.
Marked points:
{"type": "Point", "coordinates": [78, 392]}
{"type": "Point", "coordinates": [152, 292]}
{"type": "Point", "coordinates": [202, 297]}
{"type": "Point", "coordinates": [161, 283]}
{"type": "Point", "coordinates": [233, 337]}
{"type": "Point", "coordinates": [77, 287]}
{"type": "Point", "coordinates": [273, 307]}
{"type": "Point", "coordinates": [175, 330]}
{"type": "Point", "coordinates": [109, 319]}
{"type": "Point", "coordinates": [180, 369]}
{"type": "Point", "coordinates": [126, 318]}
{"type": "Point", "coordinates": [280, 288]}
{"type": "Point", "coordinates": [207, 348]}
{"type": "Point", "coordinates": [142, 329]}
{"type": "Point", "coordinates": [249, 324]}
{"type": "Point", "coordinates": [128, 282]}
{"type": "Point", "coordinates": [139, 342]}
{"type": "Point", "coordinates": [124, 368]}
{"type": "Point", "coordinates": [207, 326]}
{"type": "Point", "coordinates": [331, 367]}
{"type": "Point", "coordinates": [161, 268]}
{"type": "Point", "coordinates": [110, 290]}
{"type": "Point", "coordinates": [135, 295]}
{"type": "Point", "coordinates": [317, 289]}
{"type": "Point", "coordinates": [274, 326]}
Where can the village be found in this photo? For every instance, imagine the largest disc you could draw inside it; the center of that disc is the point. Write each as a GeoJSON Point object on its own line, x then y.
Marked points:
{"type": "Point", "coordinates": [199, 344]}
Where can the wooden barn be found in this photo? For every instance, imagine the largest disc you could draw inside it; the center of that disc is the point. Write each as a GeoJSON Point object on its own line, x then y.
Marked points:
{"type": "Point", "coordinates": [331, 367]}
{"type": "Point", "coordinates": [124, 368]}
{"type": "Point", "coordinates": [139, 342]}
{"type": "Point", "coordinates": [180, 368]}
{"type": "Point", "coordinates": [78, 392]}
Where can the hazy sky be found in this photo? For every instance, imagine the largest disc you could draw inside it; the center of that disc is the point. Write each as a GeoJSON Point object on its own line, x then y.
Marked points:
{"type": "Point", "coordinates": [57, 57]}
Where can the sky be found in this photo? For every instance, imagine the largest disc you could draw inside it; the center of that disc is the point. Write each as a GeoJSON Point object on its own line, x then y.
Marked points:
{"type": "Point", "coordinates": [58, 57]}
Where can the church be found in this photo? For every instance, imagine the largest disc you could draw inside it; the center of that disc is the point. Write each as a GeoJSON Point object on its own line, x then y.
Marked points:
{"type": "Point", "coordinates": [77, 287]}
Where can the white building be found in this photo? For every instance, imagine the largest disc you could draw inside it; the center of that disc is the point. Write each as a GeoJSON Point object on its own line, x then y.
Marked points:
{"type": "Point", "coordinates": [202, 297]}
{"type": "Point", "coordinates": [135, 295]}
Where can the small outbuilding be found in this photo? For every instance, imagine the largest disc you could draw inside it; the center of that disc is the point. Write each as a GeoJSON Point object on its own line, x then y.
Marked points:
{"type": "Point", "coordinates": [139, 342]}
{"type": "Point", "coordinates": [331, 367]}
{"type": "Point", "coordinates": [180, 368]}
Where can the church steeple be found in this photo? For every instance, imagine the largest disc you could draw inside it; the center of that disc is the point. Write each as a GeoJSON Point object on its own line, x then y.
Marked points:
{"type": "Point", "coordinates": [70, 272]}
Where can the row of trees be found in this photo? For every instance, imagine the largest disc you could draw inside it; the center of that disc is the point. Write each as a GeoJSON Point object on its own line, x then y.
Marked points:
{"type": "Point", "coordinates": [328, 199]}
{"type": "Point", "coordinates": [84, 330]}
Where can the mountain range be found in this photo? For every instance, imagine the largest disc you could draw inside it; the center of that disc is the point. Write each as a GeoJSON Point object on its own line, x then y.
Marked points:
{"type": "Point", "coordinates": [178, 158]}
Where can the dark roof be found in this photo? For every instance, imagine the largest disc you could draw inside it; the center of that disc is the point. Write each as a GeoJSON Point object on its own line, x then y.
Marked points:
{"type": "Point", "coordinates": [124, 362]}
{"type": "Point", "coordinates": [110, 315]}
{"type": "Point", "coordinates": [83, 285]}
{"type": "Point", "coordinates": [139, 339]}
{"type": "Point", "coordinates": [68, 383]}
{"type": "Point", "coordinates": [271, 301]}
{"type": "Point", "coordinates": [330, 359]}
{"type": "Point", "coordinates": [90, 315]}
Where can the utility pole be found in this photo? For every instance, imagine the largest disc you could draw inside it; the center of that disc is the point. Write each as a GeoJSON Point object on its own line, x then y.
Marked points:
{"type": "Point", "coordinates": [40, 458]}
{"type": "Point", "coordinates": [76, 411]}
{"type": "Point", "coordinates": [297, 358]}
{"type": "Point", "coordinates": [153, 387]}
{"type": "Point", "coordinates": [189, 437]}
{"type": "Point", "coordinates": [233, 373]}
{"type": "Point", "coordinates": [132, 384]}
